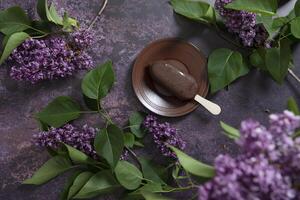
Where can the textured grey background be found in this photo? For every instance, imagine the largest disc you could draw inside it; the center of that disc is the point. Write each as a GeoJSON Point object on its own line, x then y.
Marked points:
{"type": "Point", "coordinates": [121, 32]}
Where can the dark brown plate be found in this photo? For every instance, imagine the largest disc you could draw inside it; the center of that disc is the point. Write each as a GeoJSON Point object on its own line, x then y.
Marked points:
{"type": "Point", "coordinates": [166, 49]}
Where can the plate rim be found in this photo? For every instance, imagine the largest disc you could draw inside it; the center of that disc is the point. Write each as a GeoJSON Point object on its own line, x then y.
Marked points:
{"type": "Point", "coordinates": [139, 94]}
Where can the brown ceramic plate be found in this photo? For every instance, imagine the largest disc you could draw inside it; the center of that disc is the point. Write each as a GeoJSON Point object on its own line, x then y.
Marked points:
{"type": "Point", "coordinates": [148, 93]}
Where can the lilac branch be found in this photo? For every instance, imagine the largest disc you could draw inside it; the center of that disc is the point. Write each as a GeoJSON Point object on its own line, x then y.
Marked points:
{"type": "Point", "coordinates": [98, 14]}
{"type": "Point", "coordinates": [294, 75]}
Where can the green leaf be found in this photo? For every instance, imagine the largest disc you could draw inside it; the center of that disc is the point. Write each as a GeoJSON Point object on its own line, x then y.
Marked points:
{"type": "Point", "coordinates": [53, 16]}
{"type": "Point", "coordinates": [257, 58]}
{"type": "Point", "coordinates": [13, 20]}
{"type": "Point", "coordinates": [293, 106]}
{"type": "Point", "coordinates": [279, 22]}
{"type": "Point", "coordinates": [43, 126]}
{"type": "Point", "coordinates": [4, 40]}
{"type": "Point", "coordinates": [151, 187]}
{"type": "Point", "coordinates": [50, 14]}
{"type": "Point", "coordinates": [97, 82]}
{"type": "Point", "coordinates": [225, 66]}
{"type": "Point", "coordinates": [149, 171]}
{"type": "Point", "coordinates": [148, 187]}
{"type": "Point", "coordinates": [230, 131]}
{"type": "Point", "coordinates": [133, 196]}
{"type": "Point", "coordinates": [193, 166]}
{"type": "Point", "coordinates": [78, 157]}
{"type": "Point", "coordinates": [196, 10]}
{"type": "Point", "coordinates": [69, 23]}
{"type": "Point", "coordinates": [109, 144]}
{"type": "Point", "coordinates": [53, 152]}
{"type": "Point", "coordinates": [295, 27]}
{"type": "Point", "coordinates": [13, 42]}
{"type": "Point", "coordinates": [297, 8]}
{"type": "Point", "coordinates": [271, 25]}
{"type": "Point", "coordinates": [128, 175]}
{"type": "Point", "coordinates": [278, 59]}
{"type": "Point", "coordinates": [91, 104]}
{"type": "Point", "coordinates": [129, 140]}
{"type": "Point", "coordinates": [68, 184]}
{"type": "Point", "coordinates": [52, 168]}
{"type": "Point", "coordinates": [138, 144]}
{"type": "Point", "coordinates": [153, 196]}
{"type": "Point", "coordinates": [100, 183]}
{"type": "Point", "coordinates": [60, 111]}
{"type": "Point", "coordinates": [175, 172]}
{"type": "Point", "coordinates": [78, 183]}
{"type": "Point", "coordinates": [264, 7]}
{"type": "Point", "coordinates": [43, 27]}
{"type": "Point", "coordinates": [135, 121]}
{"type": "Point", "coordinates": [42, 6]}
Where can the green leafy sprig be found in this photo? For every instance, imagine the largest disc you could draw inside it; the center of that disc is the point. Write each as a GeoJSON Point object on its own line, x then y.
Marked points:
{"type": "Point", "coordinates": [16, 26]}
{"type": "Point", "coordinates": [225, 65]}
{"type": "Point", "coordinates": [139, 177]}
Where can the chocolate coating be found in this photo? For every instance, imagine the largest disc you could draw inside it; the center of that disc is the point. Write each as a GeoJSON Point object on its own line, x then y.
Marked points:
{"type": "Point", "coordinates": [182, 85]}
{"type": "Point", "coordinates": [175, 63]}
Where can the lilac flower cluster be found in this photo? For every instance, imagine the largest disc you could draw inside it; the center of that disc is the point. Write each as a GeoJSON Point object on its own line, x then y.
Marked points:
{"type": "Point", "coordinates": [81, 39]}
{"type": "Point", "coordinates": [79, 138]}
{"type": "Point", "coordinates": [268, 167]}
{"type": "Point", "coordinates": [243, 24]}
{"type": "Point", "coordinates": [163, 135]}
{"type": "Point", "coordinates": [51, 57]}
{"type": "Point", "coordinates": [247, 178]}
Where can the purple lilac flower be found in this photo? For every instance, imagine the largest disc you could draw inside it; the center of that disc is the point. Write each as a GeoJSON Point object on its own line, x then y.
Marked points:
{"type": "Point", "coordinates": [284, 124]}
{"type": "Point", "coordinates": [81, 39]}
{"type": "Point", "coordinates": [247, 178]}
{"type": "Point", "coordinates": [287, 149]}
{"type": "Point", "coordinates": [243, 24]}
{"type": "Point", "coordinates": [124, 155]}
{"type": "Point", "coordinates": [79, 138]}
{"type": "Point", "coordinates": [255, 138]}
{"type": "Point", "coordinates": [50, 58]}
{"type": "Point", "coordinates": [268, 167]}
{"type": "Point", "coordinates": [163, 134]}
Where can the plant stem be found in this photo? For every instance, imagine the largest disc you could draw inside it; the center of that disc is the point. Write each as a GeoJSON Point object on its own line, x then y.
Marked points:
{"type": "Point", "coordinates": [285, 36]}
{"type": "Point", "coordinates": [189, 178]}
{"type": "Point", "coordinates": [32, 28]}
{"type": "Point", "coordinates": [104, 3]}
{"type": "Point", "coordinates": [194, 196]}
{"type": "Point", "coordinates": [103, 113]}
{"type": "Point", "coordinates": [294, 75]}
{"type": "Point", "coordinates": [126, 127]}
{"type": "Point", "coordinates": [145, 179]}
{"type": "Point", "coordinates": [228, 40]}
{"type": "Point", "coordinates": [101, 166]}
{"type": "Point", "coordinates": [220, 34]}
{"type": "Point", "coordinates": [88, 112]}
{"type": "Point", "coordinates": [40, 36]}
{"type": "Point", "coordinates": [180, 188]}
{"type": "Point", "coordinates": [134, 156]}
{"type": "Point", "coordinates": [105, 116]}
{"type": "Point", "coordinates": [170, 165]}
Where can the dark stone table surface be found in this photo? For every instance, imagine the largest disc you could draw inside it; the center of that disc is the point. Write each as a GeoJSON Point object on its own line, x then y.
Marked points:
{"type": "Point", "coordinates": [125, 27]}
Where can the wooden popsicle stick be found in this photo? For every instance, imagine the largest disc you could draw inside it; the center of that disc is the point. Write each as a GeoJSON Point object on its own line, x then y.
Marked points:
{"type": "Point", "coordinates": [210, 106]}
